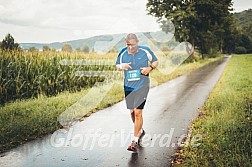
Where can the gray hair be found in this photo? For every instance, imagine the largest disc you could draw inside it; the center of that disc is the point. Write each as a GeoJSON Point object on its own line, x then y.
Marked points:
{"type": "Point", "coordinates": [131, 36]}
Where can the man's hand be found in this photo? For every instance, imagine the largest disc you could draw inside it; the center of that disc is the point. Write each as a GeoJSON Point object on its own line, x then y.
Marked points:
{"type": "Point", "coordinates": [126, 66]}
{"type": "Point", "coordinates": [145, 70]}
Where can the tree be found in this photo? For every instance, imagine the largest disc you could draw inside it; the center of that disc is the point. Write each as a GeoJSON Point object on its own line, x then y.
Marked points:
{"type": "Point", "coordinates": [247, 29]}
{"type": "Point", "coordinates": [33, 49]}
{"type": "Point", "coordinates": [244, 22]}
{"type": "Point", "coordinates": [8, 43]}
{"type": "Point", "coordinates": [85, 48]}
{"type": "Point", "coordinates": [203, 23]}
{"type": "Point", "coordinates": [230, 42]}
{"type": "Point", "coordinates": [78, 49]}
{"type": "Point", "coordinates": [240, 50]}
{"type": "Point", "coordinates": [245, 42]}
{"type": "Point", "coordinates": [53, 50]}
{"type": "Point", "coordinates": [243, 32]}
{"type": "Point", "coordinates": [67, 48]}
{"type": "Point", "coordinates": [46, 48]}
{"type": "Point", "coordinates": [181, 13]}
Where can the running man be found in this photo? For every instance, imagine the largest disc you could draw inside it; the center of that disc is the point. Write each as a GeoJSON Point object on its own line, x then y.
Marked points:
{"type": "Point", "coordinates": [134, 60]}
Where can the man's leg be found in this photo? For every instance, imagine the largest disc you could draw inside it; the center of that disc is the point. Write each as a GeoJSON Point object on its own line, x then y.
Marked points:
{"type": "Point", "coordinates": [132, 114]}
{"type": "Point", "coordinates": [138, 121]}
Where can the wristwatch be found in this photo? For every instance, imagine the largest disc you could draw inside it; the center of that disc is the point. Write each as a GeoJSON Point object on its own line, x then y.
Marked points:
{"type": "Point", "coordinates": [151, 67]}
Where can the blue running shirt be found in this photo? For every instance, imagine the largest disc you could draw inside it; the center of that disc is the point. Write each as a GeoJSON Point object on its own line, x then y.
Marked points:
{"type": "Point", "coordinates": [133, 79]}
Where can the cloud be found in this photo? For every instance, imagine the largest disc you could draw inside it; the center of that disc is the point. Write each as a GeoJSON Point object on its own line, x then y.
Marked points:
{"type": "Point", "coordinates": [71, 19]}
{"type": "Point", "coordinates": [54, 20]}
{"type": "Point", "coordinates": [33, 12]}
{"type": "Point", "coordinates": [241, 5]}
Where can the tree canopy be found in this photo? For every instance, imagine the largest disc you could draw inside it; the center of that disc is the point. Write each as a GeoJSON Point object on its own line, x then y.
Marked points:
{"type": "Point", "coordinates": [204, 23]}
{"type": "Point", "coordinates": [85, 48]}
{"type": "Point", "coordinates": [67, 48]}
{"type": "Point", "coordinates": [8, 43]}
{"type": "Point", "coordinates": [46, 48]}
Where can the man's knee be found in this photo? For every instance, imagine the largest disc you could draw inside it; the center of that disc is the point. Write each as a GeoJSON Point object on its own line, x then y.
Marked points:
{"type": "Point", "coordinates": [138, 113]}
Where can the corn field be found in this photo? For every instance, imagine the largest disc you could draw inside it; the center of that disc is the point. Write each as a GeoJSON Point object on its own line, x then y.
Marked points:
{"type": "Point", "coordinates": [29, 74]}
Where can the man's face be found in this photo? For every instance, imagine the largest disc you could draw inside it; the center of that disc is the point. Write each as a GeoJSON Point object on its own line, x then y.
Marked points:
{"type": "Point", "coordinates": [132, 46]}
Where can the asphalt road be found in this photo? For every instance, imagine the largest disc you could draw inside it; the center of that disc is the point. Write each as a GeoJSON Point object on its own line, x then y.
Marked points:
{"type": "Point", "coordinates": [102, 138]}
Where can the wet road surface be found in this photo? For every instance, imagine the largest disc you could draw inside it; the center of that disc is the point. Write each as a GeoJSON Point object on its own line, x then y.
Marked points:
{"type": "Point", "coordinates": [102, 138]}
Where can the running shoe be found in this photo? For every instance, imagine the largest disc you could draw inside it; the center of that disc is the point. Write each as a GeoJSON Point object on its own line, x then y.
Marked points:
{"type": "Point", "coordinates": [133, 146]}
{"type": "Point", "coordinates": [140, 137]}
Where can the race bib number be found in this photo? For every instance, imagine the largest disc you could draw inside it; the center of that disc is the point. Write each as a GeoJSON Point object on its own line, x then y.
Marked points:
{"type": "Point", "coordinates": [133, 75]}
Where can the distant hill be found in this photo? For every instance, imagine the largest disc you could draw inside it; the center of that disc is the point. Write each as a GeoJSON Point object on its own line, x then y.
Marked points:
{"type": "Point", "coordinates": [243, 18]}
{"type": "Point", "coordinates": [116, 41]}
{"type": "Point", "coordinates": [244, 24]}
{"type": "Point", "coordinates": [107, 42]}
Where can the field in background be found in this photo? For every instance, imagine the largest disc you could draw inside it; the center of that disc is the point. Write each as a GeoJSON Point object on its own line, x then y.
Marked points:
{"type": "Point", "coordinates": [22, 120]}
{"type": "Point", "coordinates": [29, 74]}
{"type": "Point", "coordinates": [225, 122]}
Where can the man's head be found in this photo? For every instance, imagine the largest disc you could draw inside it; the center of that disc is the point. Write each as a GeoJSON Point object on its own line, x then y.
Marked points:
{"type": "Point", "coordinates": [132, 43]}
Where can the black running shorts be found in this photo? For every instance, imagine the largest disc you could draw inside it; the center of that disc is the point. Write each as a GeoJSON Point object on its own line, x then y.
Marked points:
{"type": "Point", "coordinates": [136, 99]}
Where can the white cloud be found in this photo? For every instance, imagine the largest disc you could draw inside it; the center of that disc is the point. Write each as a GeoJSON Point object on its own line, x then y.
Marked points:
{"type": "Point", "coordinates": [53, 20]}
{"type": "Point", "coordinates": [241, 5]}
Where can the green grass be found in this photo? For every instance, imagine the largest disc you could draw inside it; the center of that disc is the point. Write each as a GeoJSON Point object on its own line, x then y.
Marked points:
{"type": "Point", "coordinates": [28, 119]}
{"type": "Point", "coordinates": [226, 121]}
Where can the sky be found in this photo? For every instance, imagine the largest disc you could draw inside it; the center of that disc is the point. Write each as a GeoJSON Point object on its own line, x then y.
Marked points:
{"type": "Point", "coordinates": [47, 21]}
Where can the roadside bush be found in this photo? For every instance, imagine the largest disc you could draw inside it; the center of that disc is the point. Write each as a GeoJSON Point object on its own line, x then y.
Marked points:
{"type": "Point", "coordinates": [240, 50]}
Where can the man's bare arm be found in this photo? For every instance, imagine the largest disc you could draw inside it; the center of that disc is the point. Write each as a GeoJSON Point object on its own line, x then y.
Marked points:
{"type": "Point", "coordinates": [154, 64]}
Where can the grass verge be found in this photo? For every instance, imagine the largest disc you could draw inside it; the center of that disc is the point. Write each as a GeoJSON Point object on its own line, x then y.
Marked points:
{"type": "Point", "coordinates": [225, 121]}
{"type": "Point", "coordinates": [25, 120]}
